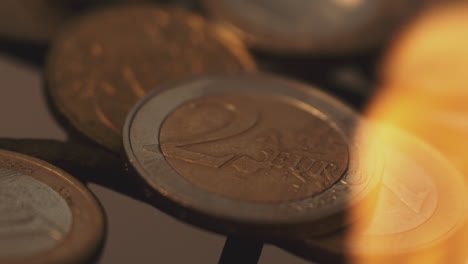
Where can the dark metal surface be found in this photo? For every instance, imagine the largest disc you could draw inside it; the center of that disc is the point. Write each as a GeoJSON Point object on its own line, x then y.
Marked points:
{"type": "Point", "coordinates": [241, 251]}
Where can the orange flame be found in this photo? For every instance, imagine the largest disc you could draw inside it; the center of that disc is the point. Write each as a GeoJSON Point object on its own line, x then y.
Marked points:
{"type": "Point", "coordinates": [421, 206]}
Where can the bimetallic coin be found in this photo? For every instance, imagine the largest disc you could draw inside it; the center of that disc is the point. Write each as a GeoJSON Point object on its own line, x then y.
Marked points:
{"type": "Point", "coordinates": [248, 154]}
{"type": "Point", "coordinates": [100, 66]}
{"type": "Point", "coordinates": [294, 26]}
{"type": "Point", "coordinates": [46, 216]}
{"type": "Point", "coordinates": [420, 214]}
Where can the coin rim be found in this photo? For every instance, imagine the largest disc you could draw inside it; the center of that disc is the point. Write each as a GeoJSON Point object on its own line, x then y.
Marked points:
{"type": "Point", "coordinates": [443, 191]}
{"type": "Point", "coordinates": [86, 237]}
{"type": "Point", "coordinates": [252, 216]}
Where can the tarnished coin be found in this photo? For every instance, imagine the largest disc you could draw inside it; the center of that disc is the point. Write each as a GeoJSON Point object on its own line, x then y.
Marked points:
{"type": "Point", "coordinates": [100, 66]}
{"type": "Point", "coordinates": [248, 154]}
{"type": "Point", "coordinates": [46, 216]}
{"type": "Point", "coordinates": [420, 214]}
{"type": "Point", "coordinates": [333, 26]}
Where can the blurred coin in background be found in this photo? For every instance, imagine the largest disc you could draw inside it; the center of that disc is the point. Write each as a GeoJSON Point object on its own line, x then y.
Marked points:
{"type": "Point", "coordinates": [424, 81]}
{"type": "Point", "coordinates": [303, 26]}
{"type": "Point", "coordinates": [421, 210]}
{"type": "Point", "coordinates": [102, 64]}
{"type": "Point", "coordinates": [46, 216]}
{"type": "Point", "coordinates": [249, 154]}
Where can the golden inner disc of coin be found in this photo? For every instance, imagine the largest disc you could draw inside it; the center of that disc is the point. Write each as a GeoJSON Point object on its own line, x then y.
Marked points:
{"type": "Point", "coordinates": [254, 147]}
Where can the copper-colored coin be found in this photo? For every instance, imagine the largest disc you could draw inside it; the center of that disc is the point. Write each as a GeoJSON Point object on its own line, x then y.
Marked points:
{"type": "Point", "coordinates": [248, 154]}
{"type": "Point", "coordinates": [46, 216]}
{"type": "Point", "coordinates": [421, 208]}
{"type": "Point", "coordinates": [100, 66]}
{"type": "Point", "coordinates": [255, 148]}
{"type": "Point", "coordinates": [332, 26]}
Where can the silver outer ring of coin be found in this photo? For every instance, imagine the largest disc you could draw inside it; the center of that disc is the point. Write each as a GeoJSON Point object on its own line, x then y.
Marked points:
{"type": "Point", "coordinates": [365, 37]}
{"type": "Point", "coordinates": [171, 192]}
{"type": "Point", "coordinates": [86, 236]}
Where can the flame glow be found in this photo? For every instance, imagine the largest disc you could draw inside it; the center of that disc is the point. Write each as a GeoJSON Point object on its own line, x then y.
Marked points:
{"type": "Point", "coordinates": [420, 215]}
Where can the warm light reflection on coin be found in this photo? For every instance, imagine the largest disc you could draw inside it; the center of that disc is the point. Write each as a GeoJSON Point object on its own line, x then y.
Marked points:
{"type": "Point", "coordinates": [422, 204]}
{"type": "Point", "coordinates": [424, 81]}
{"type": "Point", "coordinates": [420, 215]}
{"type": "Point", "coordinates": [408, 192]}
{"type": "Point", "coordinates": [295, 26]}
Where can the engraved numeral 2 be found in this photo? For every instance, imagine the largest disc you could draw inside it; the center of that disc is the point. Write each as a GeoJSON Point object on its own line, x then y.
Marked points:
{"type": "Point", "coordinates": [242, 118]}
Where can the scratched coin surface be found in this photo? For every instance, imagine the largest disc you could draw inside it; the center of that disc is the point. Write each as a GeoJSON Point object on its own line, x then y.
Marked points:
{"type": "Point", "coordinates": [421, 208]}
{"type": "Point", "coordinates": [102, 64]}
{"type": "Point", "coordinates": [311, 26]}
{"type": "Point", "coordinates": [46, 216]}
{"type": "Point", "coordinates": [248, 154]}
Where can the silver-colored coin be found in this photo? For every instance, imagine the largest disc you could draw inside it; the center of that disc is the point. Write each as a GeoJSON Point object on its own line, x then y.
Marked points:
{"type": "Point", "coordinates": [312, 26]}
{"type": "Point", "coordinates": [46, 216]}
{"type": "Point", "coordinates": [33, 217]}
{"type": "Point", "coordinates": [244, 154]}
